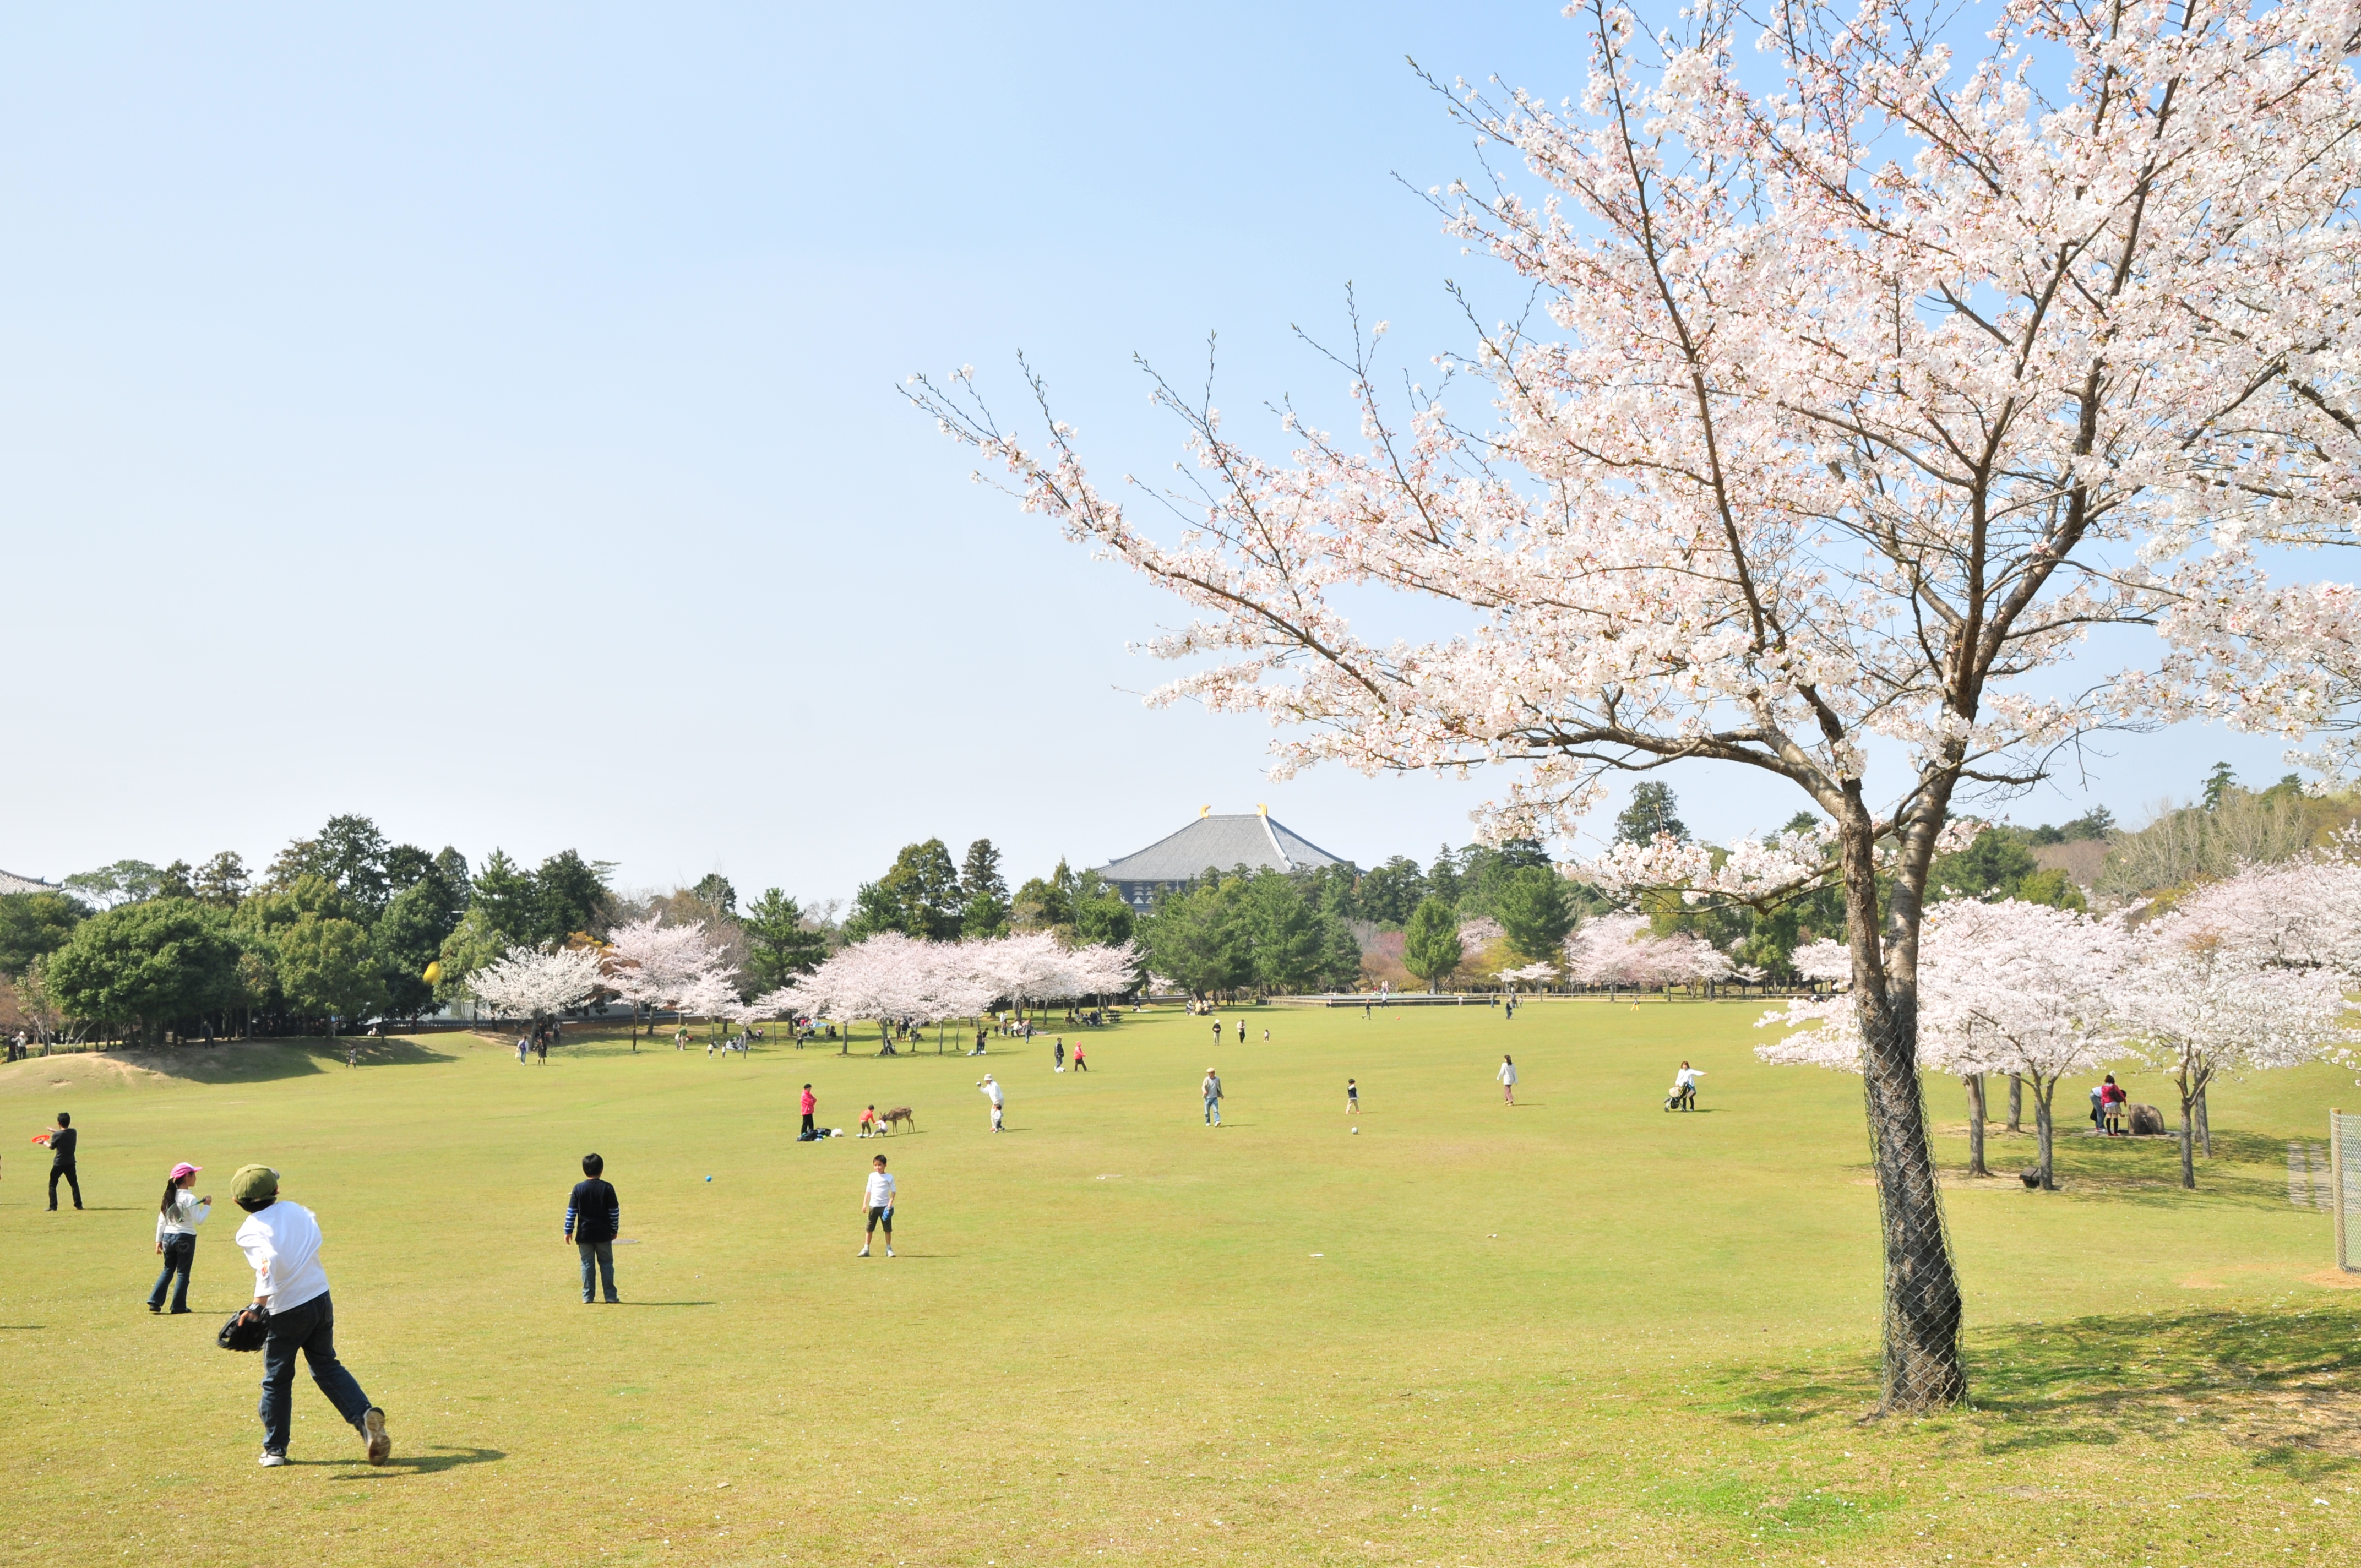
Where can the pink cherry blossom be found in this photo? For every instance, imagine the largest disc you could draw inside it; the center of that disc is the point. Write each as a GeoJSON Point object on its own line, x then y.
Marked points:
{"type": "Point", "coordinates": [1853, 404]}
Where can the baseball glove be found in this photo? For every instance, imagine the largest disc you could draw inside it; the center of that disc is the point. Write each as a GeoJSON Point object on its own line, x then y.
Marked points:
{"type": "Point", "coordinates": [247, 1329]}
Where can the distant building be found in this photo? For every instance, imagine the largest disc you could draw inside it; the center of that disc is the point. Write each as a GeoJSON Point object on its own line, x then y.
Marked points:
{"type": "Point", "coordinates": [1251, 839]}
{"type": "Point", "coordinates": [11, 883]}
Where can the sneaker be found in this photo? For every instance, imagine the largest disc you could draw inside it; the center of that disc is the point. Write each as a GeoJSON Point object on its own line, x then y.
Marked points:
{"type": "Point", "coordinates": [862, 1253]}
{"type": "Point", "coordinates": [153, 1308]}
{"type": "Point", "coordinates": [178, 1312]}
{"type": "Point", "coordinates": [381, 1447]}
{"type": "Point", "coordinates": [889, 1252]}
{"type": "Point", "coordinates": [271, 1459]}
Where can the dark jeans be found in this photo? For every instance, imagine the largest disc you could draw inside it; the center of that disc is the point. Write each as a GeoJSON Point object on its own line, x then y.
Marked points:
{"type": "Point", "coordinates": [180, 1255]}
{"type": "Point", "coordinates": [72, 1180]}
{"type": "Point", "coordinates": [603, 1255]}
{"type": "Point", "coordinates": [310, 1329]}
{"type": "Point", "coordinates": [807, 1122]}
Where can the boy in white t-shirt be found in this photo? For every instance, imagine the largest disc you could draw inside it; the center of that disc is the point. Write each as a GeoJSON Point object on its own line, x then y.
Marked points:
{"type": "Point", "coordinates": [877, 1202]}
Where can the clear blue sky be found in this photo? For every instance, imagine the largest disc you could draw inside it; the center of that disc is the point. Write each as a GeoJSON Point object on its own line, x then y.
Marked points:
{"type": "Point", "coordinates": [486, 418]}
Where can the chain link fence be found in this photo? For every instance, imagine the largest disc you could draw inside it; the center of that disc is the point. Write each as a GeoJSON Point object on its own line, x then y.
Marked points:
{"type": "Point", "coordinates": [2344, 1184]}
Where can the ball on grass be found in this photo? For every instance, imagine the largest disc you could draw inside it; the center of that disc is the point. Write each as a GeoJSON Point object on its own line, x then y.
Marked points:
{"type": "Point", "coordinates": [708, 1178]}
{"type": "Point", "coordinates": [1356, 1131]}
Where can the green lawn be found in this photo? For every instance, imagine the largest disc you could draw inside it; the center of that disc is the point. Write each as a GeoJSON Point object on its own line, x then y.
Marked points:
{"type": "Point", "coordinates": [1582, 1330]}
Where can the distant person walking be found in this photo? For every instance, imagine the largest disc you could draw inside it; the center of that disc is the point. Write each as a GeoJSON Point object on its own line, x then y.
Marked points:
{"type": "Point", "coordinates": [1352, 1098]}
{"type": "Point", "coordinates": [1212, 1089]}
{"type": "Point", "coordinates": [877, 1202]}
{"type": "Point", "coordinates": [1508, 1076]}
{"type": "Point", "coordinates": [281, 1242]}
{"type": "Point", "coordinates": [1079, 1065]}
{"type": "Point", "coordinates": [1058, 1054]}
{"type": "Point", "coordinates": [594, 1217]}
{"type": "Point", "coordinates": [991, 1091]}
{"type": "Point", "coordinates": [524, 1046]}
{"type": "Point", "coordinates": [810, 1103]}
{"type": "Point", "coordinates": [61, 1141]}
{"type": "Point", "coordinates": [176, 1219]}
{"type": "Point", "coordinates": [1242, 1031]}
{"type": "Point", "coordinates": [541, 1047]}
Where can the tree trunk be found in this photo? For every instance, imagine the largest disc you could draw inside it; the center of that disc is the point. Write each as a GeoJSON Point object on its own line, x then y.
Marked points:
{"type": "Point", "coordinates": [2191, 1094]}
{"type": "Point", "coordinates": [1975, 1082]}
{"type": "Point", "coordinates": [2204, 1125]}
{"type": "Point", "coordinates": [1922, 1365]}
{"type": "Point", "coordinates": [2044, 1094]}
{"type": "Point", "coordinates": [2016, 1101]}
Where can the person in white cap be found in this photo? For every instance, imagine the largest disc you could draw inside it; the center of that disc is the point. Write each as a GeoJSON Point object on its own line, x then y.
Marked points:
{"type": "Point", "coordinates": [176, 1219]}
{"type": "Point", "coordinates": [991, 1089]}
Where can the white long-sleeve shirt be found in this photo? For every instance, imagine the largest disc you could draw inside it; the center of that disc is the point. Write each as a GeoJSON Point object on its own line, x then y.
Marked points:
{"type": "Point", "coordinates": [1688, 1077]}
{"type": "Point", "coordinates": [1507, 1072]}
{"type": "Point", "coordinates": [185, 1215]}
{"type": "Point", "coordinates": [990, 1089]}
{"type": "Point", "coordinates": [283, 1246]}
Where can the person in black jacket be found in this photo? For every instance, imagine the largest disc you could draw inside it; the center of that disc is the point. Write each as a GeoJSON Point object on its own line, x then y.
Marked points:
{"type": "Point", "coordinates": [62, 1160]}
{"type": "Point", "coordinates": [593, 1216]}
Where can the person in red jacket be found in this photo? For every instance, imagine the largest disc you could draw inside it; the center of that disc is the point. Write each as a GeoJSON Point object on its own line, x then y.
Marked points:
{"type": "Point", "coordinates": [810, 1105]}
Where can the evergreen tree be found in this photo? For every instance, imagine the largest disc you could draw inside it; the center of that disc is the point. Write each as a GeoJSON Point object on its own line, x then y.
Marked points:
{"type": "Point", "coordinates": [1535, 911]}
{"type": "Point", "coordinates": [780, 943]}
{"type": "Point", "coordinates": [1430, 948]}
{"type": "Point", "coordinates": [1652, 810]}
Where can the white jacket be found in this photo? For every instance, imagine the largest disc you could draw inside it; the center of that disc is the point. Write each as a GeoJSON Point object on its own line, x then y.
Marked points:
{"type": "Point", "coordinates": [282, 1244]}
{"type": "Point", "coordinates": [1507, 1072]}
{"type": "Point", "coordinates": [186, 1215]}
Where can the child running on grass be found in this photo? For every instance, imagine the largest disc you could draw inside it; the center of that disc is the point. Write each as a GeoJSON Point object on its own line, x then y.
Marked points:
{"type": "Point", "coordinates": [1352, 1098]}
{"type": "Point", "coordinates": [877, 1202]}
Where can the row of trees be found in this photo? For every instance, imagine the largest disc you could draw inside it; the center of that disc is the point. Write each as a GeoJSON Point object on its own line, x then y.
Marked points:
{"type": "Point", "coordinates": [343, 925]}
{"type": "Point", "coordinates": [2246, 973]}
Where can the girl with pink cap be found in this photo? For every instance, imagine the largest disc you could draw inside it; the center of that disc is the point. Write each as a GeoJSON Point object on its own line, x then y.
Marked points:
{"type": "Point", "coordinates": [177, 1219]}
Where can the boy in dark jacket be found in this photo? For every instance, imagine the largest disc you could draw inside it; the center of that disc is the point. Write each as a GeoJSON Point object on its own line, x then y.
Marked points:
{"type": "Point", "coordinates": [593, 1216]}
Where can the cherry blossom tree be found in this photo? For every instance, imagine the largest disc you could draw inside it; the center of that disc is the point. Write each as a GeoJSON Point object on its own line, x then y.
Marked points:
{"type": "Point", "coordinates": [2008, 987]}
{"type": "Point", "coordinates": [537, 983]}
{"type": "Point", "coordinates": [1868, 391]}
{"type": "Point", "coordinates": [1622, 949]}
{"type": "Point", "coordinates": [894, 978]}
{"type": "Point", "coordinates": [1530, 974]}
{"type": "Point", "coordinates": [2205, 997]}
{"type": "Point", "coordinates": [653, 965]}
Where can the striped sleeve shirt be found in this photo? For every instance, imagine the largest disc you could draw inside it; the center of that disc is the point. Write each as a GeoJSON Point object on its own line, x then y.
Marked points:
{"type": "Point", "coordinates": [593, 1211]}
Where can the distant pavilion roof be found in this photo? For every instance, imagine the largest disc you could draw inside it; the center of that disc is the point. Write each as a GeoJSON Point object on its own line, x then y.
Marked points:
{"type": "Point", "coordinates": [1253, 840]}
{"type": "Point", "coordinates": [11, 883]}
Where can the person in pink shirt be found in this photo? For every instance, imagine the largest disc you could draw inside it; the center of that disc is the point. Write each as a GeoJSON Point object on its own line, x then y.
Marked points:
{"type": "Point", "coordinates": [810, 1105]}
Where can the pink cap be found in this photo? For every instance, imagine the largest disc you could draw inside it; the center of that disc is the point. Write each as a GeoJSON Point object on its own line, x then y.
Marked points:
{"type": "Point", "coordinates": [185, 1168]}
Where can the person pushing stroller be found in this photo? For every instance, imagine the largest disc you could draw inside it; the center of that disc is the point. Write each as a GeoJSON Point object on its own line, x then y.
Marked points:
{"type": "Point", "coordinates": [1685, 1088]}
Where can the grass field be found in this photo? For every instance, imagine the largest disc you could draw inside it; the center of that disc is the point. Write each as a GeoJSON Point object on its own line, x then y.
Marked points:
{"type": "Point", "coordinates": [1582, 1330]}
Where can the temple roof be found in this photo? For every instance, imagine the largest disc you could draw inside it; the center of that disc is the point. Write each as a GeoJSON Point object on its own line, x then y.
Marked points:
{"type": "Point", "coordinates": [1252, 839]}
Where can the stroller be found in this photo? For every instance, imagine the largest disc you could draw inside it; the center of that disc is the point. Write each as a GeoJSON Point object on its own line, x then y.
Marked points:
{"type": "Point", "coordinates": [1682, 1097]}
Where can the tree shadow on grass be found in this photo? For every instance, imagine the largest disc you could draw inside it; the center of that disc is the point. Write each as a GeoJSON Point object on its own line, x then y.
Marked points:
{"type": "Point", "coordinates": [256, 1061]}
{"type": "Point", "coordinates": [2279, 1385]}
{"type": "Point", "coordinates": [2247, 1170]}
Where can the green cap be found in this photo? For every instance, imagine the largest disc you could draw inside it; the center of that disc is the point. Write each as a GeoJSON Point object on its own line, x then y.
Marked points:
{"type": "Point", "coordinates": [254, 1184]}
